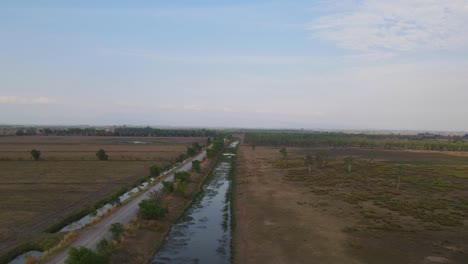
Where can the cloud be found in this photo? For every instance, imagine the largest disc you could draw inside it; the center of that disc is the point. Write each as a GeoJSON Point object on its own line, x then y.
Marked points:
{"type": "Point", "coordinates": [397, 26]}
{"type": "Point", "coordinates": [42, 100]}
{"type": "Point", "coordinates": [8, 99]}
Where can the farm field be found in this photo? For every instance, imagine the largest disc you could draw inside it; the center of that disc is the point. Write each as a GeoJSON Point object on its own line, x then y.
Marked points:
{"type": "Point", "coordinates": [68, 178]}
{"type": "Point", "coordinates": [392, 206]}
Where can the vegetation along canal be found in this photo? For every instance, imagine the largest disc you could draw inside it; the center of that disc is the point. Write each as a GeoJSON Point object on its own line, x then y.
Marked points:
{"type": "Point", "coordinates": [203, 233]}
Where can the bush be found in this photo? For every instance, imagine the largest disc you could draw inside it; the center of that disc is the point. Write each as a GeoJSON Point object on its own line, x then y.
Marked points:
{"type": "Point", "coordinates": [155, 171]}
{"type": "Point", "coordinates": [36, 154]}
{"type": "Point", "coordinates": [196, 165]}
{"type": "Point", "coordinates": [117, 229]}
{"type": "Point", "coordinates": [103, 246]}
{"type": "Point", "coordinates": [179, 188]}
{"type": "Point", "coordinates": [168, 186]}
{"type": "Point", "coordinates": [101, 154]}
{"type": "Point", "coordinates": [182, 176]}
{"type": "Point", "coordinates": [84, 255]}
{"type": "Point", "coordinates": [151, 209]}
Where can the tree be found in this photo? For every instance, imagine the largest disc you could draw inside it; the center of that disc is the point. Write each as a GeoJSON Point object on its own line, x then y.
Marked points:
{"type": "Point", "coordinates": [168, 186]}
{"type": "Point", "coordinates": [208, 141]}
{"type": "Point", "coordinates": [151, 209]}
{"type": "Point", "coordinates": [253, 146]}
{"type": "Point", "coordinates": [349, 163]}
{"type": "Point", "coordinates": [182, 176]}
{"type": "Point", "coordinates": [36, 154]}
{"type": "Point", "coordinates": [103, 247]}
{"type": "Point", "coordinates": [155, 170]}
{"type": "Point", "coordinates": [101, 154]}
{"type": "Point", "coordinates": [284, 154]}
{"type": "Point", "coordinates": [196, 165]}
{"type": "Point", "coordinates": [84, 255]}
{"type": "Point", "coordinates": [321, 159]}
{"type": "Point", "coordinates": [116, 229]}
{"type": "Point", "coordinates": [399, 172]}
{"type": "Point", "coordinates": [308, 161]}
{"type": "Point", "coordinates": [115, 199]}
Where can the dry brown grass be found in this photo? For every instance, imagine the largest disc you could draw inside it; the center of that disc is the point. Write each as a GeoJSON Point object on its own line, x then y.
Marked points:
{"type": "Point", "coordinates": [378, 223]}
{"type": "Point", "coordinates": [69, 177]}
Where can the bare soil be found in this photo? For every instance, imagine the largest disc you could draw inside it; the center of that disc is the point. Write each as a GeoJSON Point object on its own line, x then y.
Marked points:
{"type": "Point", "coordinates": [68, 178]}
{"type": "Point", "coordinates": [278, 221]}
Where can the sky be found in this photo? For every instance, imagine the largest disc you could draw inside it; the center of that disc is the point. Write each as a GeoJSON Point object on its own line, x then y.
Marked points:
{"type": "Point", "coordinates": [387, 64]}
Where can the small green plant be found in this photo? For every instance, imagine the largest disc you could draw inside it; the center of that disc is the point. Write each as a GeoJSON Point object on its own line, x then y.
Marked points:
{"type": "Point", "coordinates": [93, 211]}
{"type": "Point", "coordinates": [116, 229]}
{"type": "Point", "coordinates": [284, 155]}
{"type": "Point", "coordinates": [103, 246]}
{"type": "Point", "coordinates": [179, 188]}
{"type": "Point", "coordinates": [155, 171]}
{"type": "Point", "coordinates": [196, 165]}
{"type": "Point", "coordinates": [101, 155]}
{"type": "Point", "coordinates": [349, 163]}
{"type": "Point", "coordinates": [321, 159]}
{"type": "Point", "coordinates": [182, 176]}
{"type": "Point", "coordinates": [168, 186]}
{"type": "Point", "coordinates": [36, 154]}
{"type": "Point", "coordinates": [154, 195]}
{"type": "Point", "coordinates": [115, 199]}
{"type": "Point", "coordinates": [309, 161]}
{"type": "Point", "coordinates": [151, 209]}
{"type": "Point", "coordinates": [84, 255]}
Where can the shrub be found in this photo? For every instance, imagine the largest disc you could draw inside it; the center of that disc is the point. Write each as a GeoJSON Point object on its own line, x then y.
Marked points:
{"type": "Point", "coordinates": [179, 187]}
{"type": "Point", "coordinates": [154, 195]}
{"type": "Point", "coordinates": [84, 255]}
{"type": "Point", "coordinates": [168, 186]}
{"type": "Point", "coordinates": [117, 229]}
{"type": "Point", "coordinates": [155, 171]}
{"type": "Point", "coordinates": [101, 154]}
{"type": "Point", "coordinates": [151, 209]}
{"type": "Point", "coordinates": [36, 154]}
{"type": "Point", "coordinates": [182, 176]}
{"type": "Point", "coordinates": [103, 246]}
{"type": "Point", "coordinates": [196, 165]}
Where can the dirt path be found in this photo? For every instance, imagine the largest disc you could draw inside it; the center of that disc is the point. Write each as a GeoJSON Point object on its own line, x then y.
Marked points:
{"type": "Point", "coordinates": [276, 225]}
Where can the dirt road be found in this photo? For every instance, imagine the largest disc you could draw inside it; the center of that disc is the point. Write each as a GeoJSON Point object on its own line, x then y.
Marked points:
{"type": "Point", "coordinates": [90, 236]}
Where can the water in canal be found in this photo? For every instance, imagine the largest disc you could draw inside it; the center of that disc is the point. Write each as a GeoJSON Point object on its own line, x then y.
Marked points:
{"type": "Point", "coordinates": [203, 233]}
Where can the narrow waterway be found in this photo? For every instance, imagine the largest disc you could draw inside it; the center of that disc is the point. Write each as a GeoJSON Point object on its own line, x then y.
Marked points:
{"type": "Point", "coordinates": [203, 233]}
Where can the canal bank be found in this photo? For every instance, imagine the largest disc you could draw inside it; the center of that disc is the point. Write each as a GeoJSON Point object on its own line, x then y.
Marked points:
{"type": "Point", "coordinates": [203, 234]}
{"type": "Point", "coordinates": [144, 237]}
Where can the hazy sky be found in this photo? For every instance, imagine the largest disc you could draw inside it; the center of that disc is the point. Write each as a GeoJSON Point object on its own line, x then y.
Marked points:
{"type": "Point", "coordinates": [396, 64]}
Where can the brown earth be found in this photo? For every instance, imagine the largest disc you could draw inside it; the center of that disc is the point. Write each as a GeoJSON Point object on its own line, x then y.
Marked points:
{"type": "Point", "coordinates": [272, 224]}
{"type": "Point", "coordinates": [286, 215]}
{"type": "Point", "coordinates": [68, 178]}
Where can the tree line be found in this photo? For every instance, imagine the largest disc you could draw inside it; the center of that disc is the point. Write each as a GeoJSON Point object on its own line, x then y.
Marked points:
{"type": "Point", "coordinates": [118, 132]}
{"type": "Point", "coordinates": [331, 139]}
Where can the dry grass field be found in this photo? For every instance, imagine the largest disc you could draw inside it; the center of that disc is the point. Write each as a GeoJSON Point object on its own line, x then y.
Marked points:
{"type": "Point", "coordinates": [35, 194]}
{"type": "Point", "coordinates": [284, 214]}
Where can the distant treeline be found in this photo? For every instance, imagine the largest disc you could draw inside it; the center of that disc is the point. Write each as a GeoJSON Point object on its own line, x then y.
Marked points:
{"type": "Point", "coordinates": [326, 139]}
{"type": "Point", "coordinates": [118, 132]}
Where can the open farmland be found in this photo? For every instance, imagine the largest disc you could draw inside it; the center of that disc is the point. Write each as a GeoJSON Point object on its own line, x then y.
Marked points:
{"type": "Point", "coordinates": [68, 177]}
{"type": "Point", "coordinates": [392, 206]}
